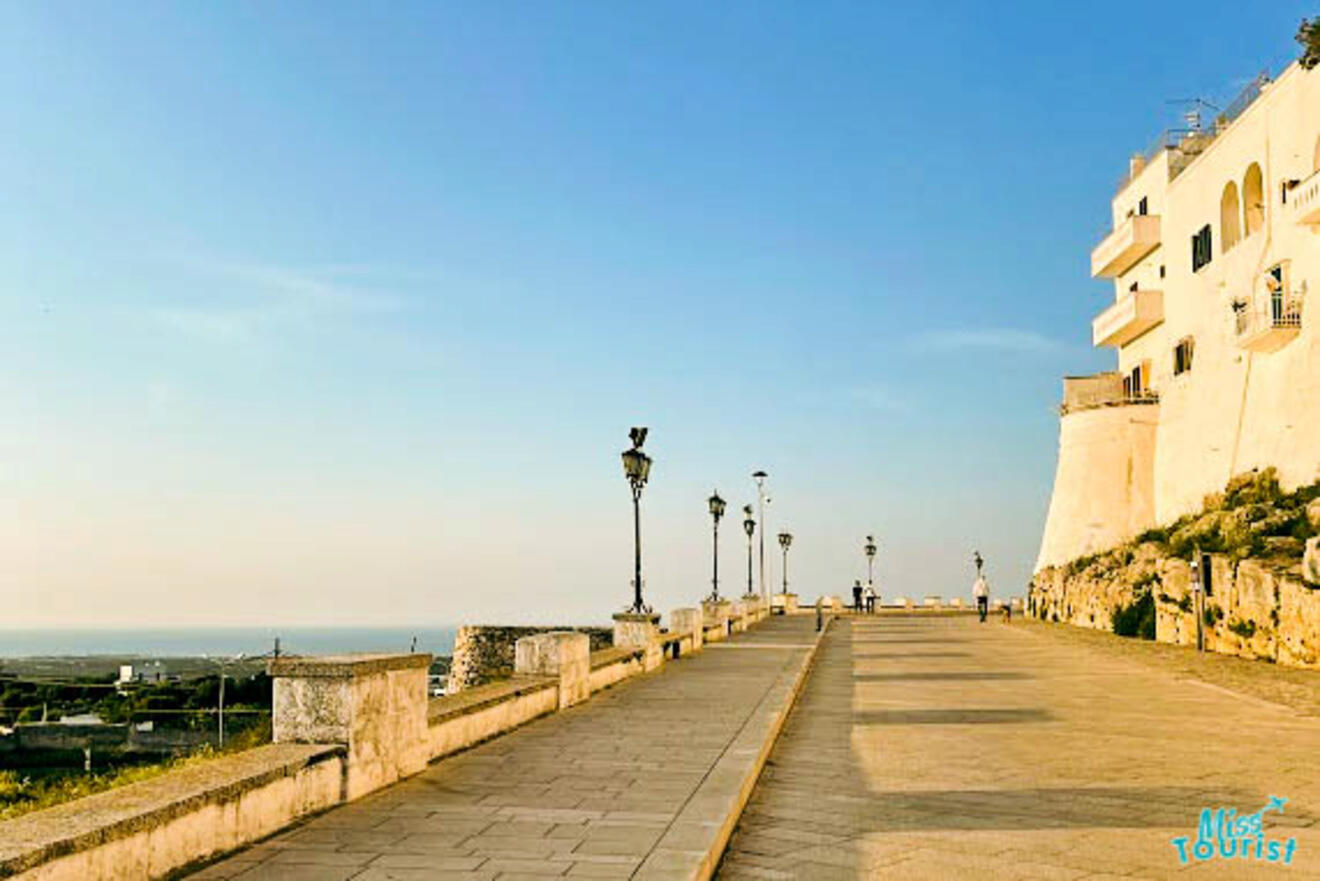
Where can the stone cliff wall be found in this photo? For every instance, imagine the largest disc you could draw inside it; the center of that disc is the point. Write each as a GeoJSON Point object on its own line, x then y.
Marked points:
{"type": "Point", "coordinates": [483, 653]}
{"type": "Point", "coordinates": [1257, 608]}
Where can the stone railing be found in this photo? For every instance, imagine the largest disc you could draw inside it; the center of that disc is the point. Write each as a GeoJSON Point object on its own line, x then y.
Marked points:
{"type": "Point", "coordinates": [484, 653]}
{"type": "Point", "coordinates": [343, 726]}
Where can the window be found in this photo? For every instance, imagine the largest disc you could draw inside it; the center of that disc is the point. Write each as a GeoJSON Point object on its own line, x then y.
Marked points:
{"type": "Point", "coordinates": [1142, 207]}
{"type": "Point", "coordinates": [1202, 248]}
{"type": "Point", "coordinates": [1229, 218]}
{"type": "Point", "coordinates": [1253, 200]}
{"type": "Point", "coordinates": [1161, 270]}
{"type": "Point", "coordinates": [1182, 356]}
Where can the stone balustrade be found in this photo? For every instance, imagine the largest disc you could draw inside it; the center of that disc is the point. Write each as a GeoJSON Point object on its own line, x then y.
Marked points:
{"type": "Point", "coordinates": [343, 726]}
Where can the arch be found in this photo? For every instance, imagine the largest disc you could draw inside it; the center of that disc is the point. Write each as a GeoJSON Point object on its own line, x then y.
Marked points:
{"type": "Point", "coordinates": [1230, 213]}
{"type": "Point", "coordinates": [1315, 159]}
{"type": "Point", "coordinates": [1253, 200]}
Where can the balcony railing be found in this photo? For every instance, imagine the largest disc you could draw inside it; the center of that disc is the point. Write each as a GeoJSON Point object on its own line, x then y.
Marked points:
{"type": "Point", "coordinates": [1267, 323]}
{"type": "Point", "coordinates": [1149, 396]}
{"type": "Point", "coordinates": [1304, 201]}
{"type": "Point", "coordinates": [1130, 241]}
{"type": "Point", "coordinates": [1134, 314]}
{"type": "Point", "coordinates": [1101, 390]}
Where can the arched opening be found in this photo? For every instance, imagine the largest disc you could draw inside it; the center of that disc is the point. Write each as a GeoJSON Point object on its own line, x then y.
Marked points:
{"type": "Point", "coordinates": [1253, 200]}
{"type": "Point", "coordinates": [1229, 213]}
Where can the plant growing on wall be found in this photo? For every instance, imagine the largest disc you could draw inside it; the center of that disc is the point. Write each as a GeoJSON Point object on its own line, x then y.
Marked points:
{"type": "Point", "coordinates": [1245, 629]}
{"type": "Point", "coordinates": [1308, 35]}
{"type": "Point", "coordinates": [1137, 619]}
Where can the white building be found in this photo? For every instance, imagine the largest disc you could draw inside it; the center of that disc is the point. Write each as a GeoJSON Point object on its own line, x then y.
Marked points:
{"type": "Point", "coordinates": [1214, 249]}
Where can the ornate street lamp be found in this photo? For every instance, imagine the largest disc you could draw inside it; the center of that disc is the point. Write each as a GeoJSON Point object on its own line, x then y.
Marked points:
{"type": "Point", "coordinates": [759, 477]}
{"type": "Point", "coordinates": [749, 526]}
{"type": "Point", "coordinates": [870, 549]}
{"type": "Point", "coordinates": [785, 539]}
{"type": "Point", "coordinates": [716, 512]}
{"type": "Point", "coordinates": [637, 468]}
{"type": "Point", "coordinates": [979, 561]}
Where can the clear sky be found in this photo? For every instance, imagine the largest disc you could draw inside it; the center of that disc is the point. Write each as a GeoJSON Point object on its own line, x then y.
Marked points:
{"type": "Point", "coordinates": [340, 313]}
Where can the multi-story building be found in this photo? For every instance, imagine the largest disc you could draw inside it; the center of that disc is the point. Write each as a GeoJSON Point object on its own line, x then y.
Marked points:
{"type": "Point", "coordinates": [1215, 245]}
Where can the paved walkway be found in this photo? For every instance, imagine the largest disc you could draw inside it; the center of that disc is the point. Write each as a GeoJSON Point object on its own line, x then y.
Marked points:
{"type": "Point", "coordinates": [629, 784]}
{"type": "Point", "coordinates": [936, 748]}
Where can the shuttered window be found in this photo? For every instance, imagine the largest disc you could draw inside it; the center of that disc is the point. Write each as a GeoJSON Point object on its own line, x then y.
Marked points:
{"type": "Point", "coordinates": [1202, 249]}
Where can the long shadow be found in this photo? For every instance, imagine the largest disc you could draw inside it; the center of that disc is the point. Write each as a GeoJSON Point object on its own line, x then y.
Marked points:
{"type": "Point", "coordinates": [1067, 807]}
{"type": "Point", "coordinates": [941, 676]}
{"type": "Point", "coordinates": [955, 716]}
{"type": "Point", "coordinates": [813, 806]}
{"type": "Point", "coordinates": [903, 640]}
{"type": "Point", "coordinates": [905, 656]}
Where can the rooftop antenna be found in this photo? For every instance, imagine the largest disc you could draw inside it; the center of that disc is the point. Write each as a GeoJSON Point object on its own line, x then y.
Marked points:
{"type": "Point", "coordinates": [1192, 115]}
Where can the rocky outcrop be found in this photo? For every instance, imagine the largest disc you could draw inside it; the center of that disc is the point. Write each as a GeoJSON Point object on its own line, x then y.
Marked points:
{"type": "Point", "coordinates": [1256, 608]}
{"type": "Point", "coordinates": [483, 653]}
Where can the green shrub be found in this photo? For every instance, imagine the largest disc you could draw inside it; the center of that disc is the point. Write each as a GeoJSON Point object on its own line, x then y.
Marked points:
{"type": "Point", "coordinates": [1136, 619]}
{"type": "Point", "coordinates": [1245, 629]}
{"type": "Point", "coordinates": [1212, 615]}
{"type": "Point", "coordinates": [1308, 36]}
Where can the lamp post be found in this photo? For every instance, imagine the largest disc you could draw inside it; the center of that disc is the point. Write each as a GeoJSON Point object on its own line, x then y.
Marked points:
{"type": "Point", "coordinates": [979, 561]}
{"type": "Point", "coordinates": [749, 526]}
{"type": "Point", "coordinates": [785, 539]}
{"type": "Point", "coordinates": [760, 476]}
{"type": "Point", "coordinates": [870, 549]}
{"type": "Point", "coordinates": [716, 512]}
{"type": "Point", "coordinates": [637, 468]}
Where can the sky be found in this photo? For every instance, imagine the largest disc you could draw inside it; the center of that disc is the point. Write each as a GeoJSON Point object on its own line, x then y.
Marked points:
{"type": "Point", "coordinates": [339, 314]}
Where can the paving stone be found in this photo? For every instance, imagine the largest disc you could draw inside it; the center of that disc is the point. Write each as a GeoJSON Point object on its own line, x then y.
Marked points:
{"type": "Point", "coordinates": [587, 792]}
{"type": "Point", "coordinates": [943, 748]}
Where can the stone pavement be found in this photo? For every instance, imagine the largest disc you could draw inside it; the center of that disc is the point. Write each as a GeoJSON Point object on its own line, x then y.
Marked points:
{"type": "Point", "coordinates": [938, 748]}
{"type": "Point", "coordinates": [632, 783]}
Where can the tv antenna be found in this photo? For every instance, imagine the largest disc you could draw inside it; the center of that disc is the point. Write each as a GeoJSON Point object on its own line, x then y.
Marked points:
{"type": "Point", "coordinates": [1192, 115]}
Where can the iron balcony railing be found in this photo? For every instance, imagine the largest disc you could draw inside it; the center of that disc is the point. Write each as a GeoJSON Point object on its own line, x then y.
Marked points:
{"type": "Point", "coordinates": [1116, 399]}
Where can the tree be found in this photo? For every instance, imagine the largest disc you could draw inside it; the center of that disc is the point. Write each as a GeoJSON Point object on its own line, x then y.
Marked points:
{"type": "Point", "coordinates": [1308, 35]}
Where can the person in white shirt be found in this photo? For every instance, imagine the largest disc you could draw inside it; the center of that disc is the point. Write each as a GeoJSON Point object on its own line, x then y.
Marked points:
{"type": "Point", "coordinates": [981, 591]}
{"type": "Point", "coordinates": [870, 600]}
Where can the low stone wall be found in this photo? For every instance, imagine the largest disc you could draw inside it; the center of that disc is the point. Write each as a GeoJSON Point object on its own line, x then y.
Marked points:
{"type": "Point", "coordinates": [150, 829]}
{"type": "Point", "coordinates": [344, 726]}
{"type": "Point", "coordinates": [1256, 608]}
{"type": "Point", "coordinates": [460, 721]}
{"type": "Point", "coordinates": [484, 653]}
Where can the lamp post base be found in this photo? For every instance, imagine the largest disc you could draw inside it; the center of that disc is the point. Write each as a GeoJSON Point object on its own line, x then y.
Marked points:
{"type": "Point", "coordinates": [639, 630]}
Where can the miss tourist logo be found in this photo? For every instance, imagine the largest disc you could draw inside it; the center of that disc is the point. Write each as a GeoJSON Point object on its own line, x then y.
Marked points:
{"type": "Point", "coordinates": [1224, 834]}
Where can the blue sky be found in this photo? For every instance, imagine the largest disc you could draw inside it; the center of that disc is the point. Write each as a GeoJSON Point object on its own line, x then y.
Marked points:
{"type": "Point", "coordinates": [328, 313]}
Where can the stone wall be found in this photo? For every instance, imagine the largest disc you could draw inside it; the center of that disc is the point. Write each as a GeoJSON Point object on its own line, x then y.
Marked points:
{"type": "Point", "coordinates": [484, 653]}
{"type": "Point", "coordinates": [1256, 608]}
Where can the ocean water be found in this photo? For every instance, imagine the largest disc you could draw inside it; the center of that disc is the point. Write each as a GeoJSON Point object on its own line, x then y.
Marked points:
{"type": "Point", "coordinates": [223, 641]}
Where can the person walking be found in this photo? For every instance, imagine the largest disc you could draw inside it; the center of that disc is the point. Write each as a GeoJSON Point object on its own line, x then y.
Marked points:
{"type": "Point", "coordinates": [857, 595]}
{"type": "Point", "coordinates": [981, 591]}
{"type": "Point", "coordinates": [870, 600]}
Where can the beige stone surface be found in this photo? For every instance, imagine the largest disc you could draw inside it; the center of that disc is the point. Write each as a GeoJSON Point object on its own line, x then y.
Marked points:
{"type": "Point", "coordinates": [648, 769]}
{"type": "Point", "coordinates": [565, 655]}
{"type": "Point", "coordinates": [640, 630]}
{"type": "Point", "coordinates": [375, 705]}
{"type": "Point", "coordinates": [151, 828]}
{"type": "Point", "coordinates": [938, 747]}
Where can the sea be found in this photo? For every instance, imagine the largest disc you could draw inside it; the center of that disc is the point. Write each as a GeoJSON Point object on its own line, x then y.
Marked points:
{"type": "Point", "coordinates": [228, 642]}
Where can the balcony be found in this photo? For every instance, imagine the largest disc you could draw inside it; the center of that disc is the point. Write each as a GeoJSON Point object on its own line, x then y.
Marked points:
{"type": "Point", "coordinates": [1267, 324]}
{"type": "Point", "coordinates": [1101, 390]}
{"type": "Point", "coordinates": [1130, 241]}
{"type": "Point", "coordinates": [1133, 315]}
{"type": "Point", "coordinates": [1304, 201]}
